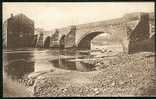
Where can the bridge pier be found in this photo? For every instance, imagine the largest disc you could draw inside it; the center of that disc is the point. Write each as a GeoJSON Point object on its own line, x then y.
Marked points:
{"type": "Point", "coordinates": [47, 42]}
{"type": "Point", "coordinates": [62, 42]}
{"type": "Point", "coordinates": [40, 41]}
{"type": "Point", "coordinates": [70, 38]}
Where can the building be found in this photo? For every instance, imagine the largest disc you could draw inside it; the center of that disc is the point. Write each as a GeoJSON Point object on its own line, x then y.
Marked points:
{"type": "Point", "coordinates": [18, 32]}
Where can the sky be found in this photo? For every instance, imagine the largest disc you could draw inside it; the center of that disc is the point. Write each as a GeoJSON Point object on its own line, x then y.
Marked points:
{"type": "Point", "coordinates": [57, 15]}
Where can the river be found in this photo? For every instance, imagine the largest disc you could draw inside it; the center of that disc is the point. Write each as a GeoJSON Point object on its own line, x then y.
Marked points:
{"type": "Point", "coordinates": [17, 63]}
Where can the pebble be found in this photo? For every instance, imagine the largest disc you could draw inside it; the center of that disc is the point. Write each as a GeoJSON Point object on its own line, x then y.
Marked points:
{"type": "Point", "coordinates": [110, 77]}
{"type": "Point", "coordinates": [64, 90]}
{"type": "Point", "coordinates": [97, 92]}
{"type": "Point", "coordinates": [121, 83]}
{"type": "Point", "coordinates": [113, 84]}
{"type": "Point", "coordinates": [131, 75]}
{"type": "Point", "coordinates": [95, 89]}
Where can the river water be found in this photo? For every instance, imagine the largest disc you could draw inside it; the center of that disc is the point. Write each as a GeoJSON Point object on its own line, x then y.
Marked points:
{"type": "Point", "coordinates": [17, 63]}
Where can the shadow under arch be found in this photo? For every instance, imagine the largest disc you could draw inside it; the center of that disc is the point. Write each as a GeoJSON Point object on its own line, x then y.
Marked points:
{"type": "Point", "coordinates": [47, 42]}
{"type": "Point", "coordinates": [85, 42]}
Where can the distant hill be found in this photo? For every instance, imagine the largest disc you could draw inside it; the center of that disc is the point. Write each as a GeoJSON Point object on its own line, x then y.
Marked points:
{"type": "Point", "coordinates": [136, 15]}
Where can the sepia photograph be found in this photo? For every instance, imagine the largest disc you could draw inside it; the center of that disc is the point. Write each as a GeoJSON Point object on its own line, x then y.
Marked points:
{"type": "Point", "coordinates": [82, 49]}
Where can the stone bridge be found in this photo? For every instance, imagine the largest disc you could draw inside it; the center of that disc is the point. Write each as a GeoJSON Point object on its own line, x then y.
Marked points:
{"type": "Point", "coordinates": [126, 29]}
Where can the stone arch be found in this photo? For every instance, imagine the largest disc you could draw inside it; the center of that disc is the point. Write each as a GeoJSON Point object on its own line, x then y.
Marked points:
{"type": "Point", "coordinates": [47, 42]}
{"type": "Point", "coordinates": [85, 41]}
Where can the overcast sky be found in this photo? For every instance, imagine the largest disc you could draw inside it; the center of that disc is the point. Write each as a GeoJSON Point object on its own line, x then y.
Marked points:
{"type": "Point", "coordinates": [57, 15]}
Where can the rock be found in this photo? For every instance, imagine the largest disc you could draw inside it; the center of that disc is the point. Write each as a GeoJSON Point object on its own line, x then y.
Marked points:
{"type": "Point", "coordinates": [64, 90]}
{"type": "Point", "coordinates": [31, 83]}
{"type": "Point", "coordinates": [98, 64]}
{"type": "Point", "coordinates": [121, 83]}
{"type": "Point", "coordinates": [113, 84]}
{"type": "Point", "coordinates": [131, 76]}
{"type": "Point", "coordinates": [95, 89]}
{"type": "Point", "coordinates": [51, 70]}
{"type": "Point", "coordinates": [81, 91]}
{"type": "Point", "coordinates": [110, 77]}
{"type": "Point", "coordinates": [97, 92]}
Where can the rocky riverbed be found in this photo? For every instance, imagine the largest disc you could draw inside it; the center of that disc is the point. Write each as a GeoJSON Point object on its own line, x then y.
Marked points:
{"type": "Point", "coordinates": [121, 75]}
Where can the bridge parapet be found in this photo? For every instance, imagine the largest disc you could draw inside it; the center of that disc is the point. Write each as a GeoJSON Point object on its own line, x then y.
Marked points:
{"type": "Point", "coordinates": [101, 23]}
{"type": "Point", "coordinates": [118, 27]}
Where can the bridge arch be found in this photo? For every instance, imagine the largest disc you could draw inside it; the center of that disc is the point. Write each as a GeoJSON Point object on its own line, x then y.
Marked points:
{"type": "Point", "coordinates": [84, 42]}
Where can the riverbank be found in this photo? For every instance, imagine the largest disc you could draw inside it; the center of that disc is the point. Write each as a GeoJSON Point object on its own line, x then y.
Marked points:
{"type": "Point", "coordinates": [122, 75]}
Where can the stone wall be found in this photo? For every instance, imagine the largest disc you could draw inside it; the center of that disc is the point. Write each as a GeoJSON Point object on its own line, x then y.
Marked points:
{"type": "Point", "coordinates": [139, 38]}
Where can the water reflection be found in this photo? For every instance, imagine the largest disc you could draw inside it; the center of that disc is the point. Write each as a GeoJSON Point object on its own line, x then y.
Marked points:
{"type": "Point", "coordinates": [18, 63]}
{"type": "Point", "coordinates": [71, 63]}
